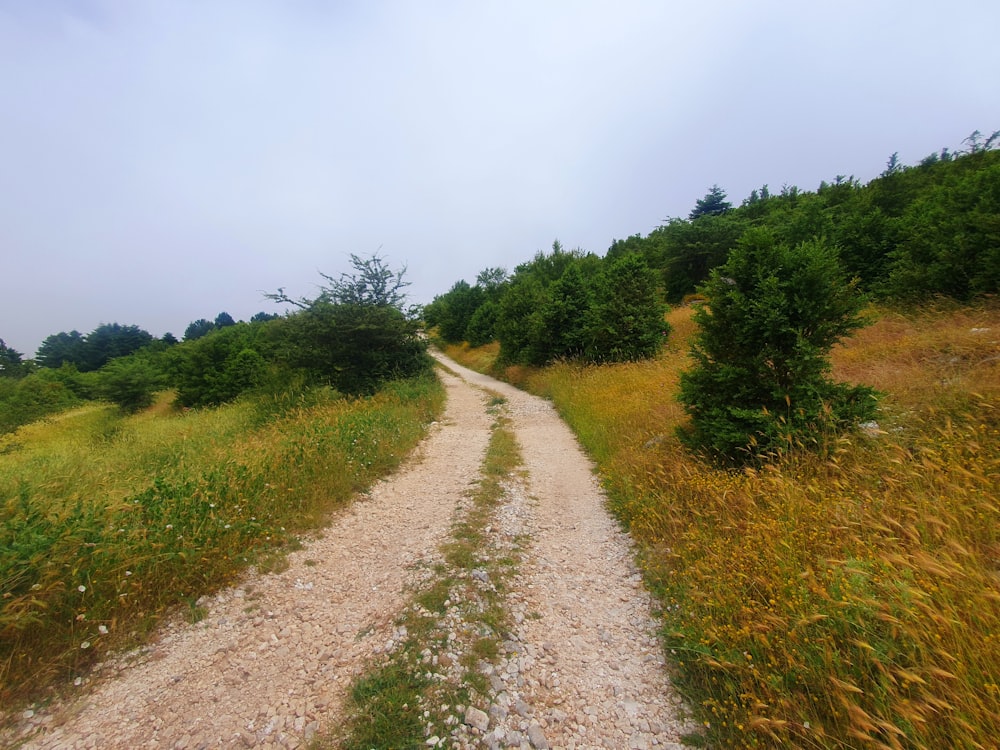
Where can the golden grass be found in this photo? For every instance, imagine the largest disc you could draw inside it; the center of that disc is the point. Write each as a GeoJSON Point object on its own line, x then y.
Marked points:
{"type": "Point", "coordinates": [848, 602]}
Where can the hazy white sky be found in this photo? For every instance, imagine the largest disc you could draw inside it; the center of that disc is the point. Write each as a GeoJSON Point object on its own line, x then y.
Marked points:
{"type": "Point", "coordinates": [166, 160]}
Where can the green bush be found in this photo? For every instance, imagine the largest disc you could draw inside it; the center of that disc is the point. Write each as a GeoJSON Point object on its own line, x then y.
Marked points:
{"type": "Point", "coordinates": [32, 397]}
{"type": "Point", "coordinates": [129, 382]}
{"type": "Point", "coordinates": [760, 383]}
{"type": "Point", "coordinates": [627, 317]}
{"type": "Point", "coordinates": [354, 347]}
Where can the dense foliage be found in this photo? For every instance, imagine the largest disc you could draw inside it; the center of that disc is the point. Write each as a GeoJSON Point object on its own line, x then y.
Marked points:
{"type": "Point", "coordinates": [93, 351]}
{"type": "Point", "coordinates": [759, 384]}
{"type": "Point", "coordinates": [355, 336]}
{"type": "Point", "coordinates": [911, 233]}
{"type": "Point", "coordinates": [561, 305]}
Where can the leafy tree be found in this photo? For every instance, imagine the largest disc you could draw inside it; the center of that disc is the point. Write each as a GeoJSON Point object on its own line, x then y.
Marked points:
{"type": "Point", "coordinates": [218, 366]}
{"type": "Point", "coordinates": [263, 317]}
{"type": "Point", "coordinates": [566, 315]}
{"type": "Point", "coordinates": [492, 281]}
{"type": "Point", "coordinates": [357, 333]}
{"type": "Point", "coordinates": [198, 328]}
{"type": "Point", "coordinates": [224, 319]}
{"type": "Point", "coordinates": [713, 204]}
{"type": "Point", "coordinates": [354, 347]}
{"type": "Point", "coordinates": [169, 339]}
{"type": "Point", "coordinates": [519, 324]}
{"type": "Point", "coordinates": [482, 326]}
{"type": "Point", "coordinates": [760, 383]}
{"type": "Point", "coordinates": [372, 284]}
{"type": "Point", "coordinates": [949, 237]}
{"type": "Point", "coordinates": [690, 249]}
{"type": "Point", "coordinates": [456, 310]}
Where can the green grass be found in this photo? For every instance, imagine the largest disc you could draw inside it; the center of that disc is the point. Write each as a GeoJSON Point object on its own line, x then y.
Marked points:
{"type": "Point", "coordinates": [842, 602]}
{"type": "Point", "coordinates": [107, 522]}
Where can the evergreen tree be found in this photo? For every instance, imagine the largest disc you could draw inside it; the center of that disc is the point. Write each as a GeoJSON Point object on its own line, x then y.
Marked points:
{"type": "Point", "coordinates": [713, 204]}
{"type": "Point", "coordinates": [356, 334]}
{"type": "Point", "coordinates": [627, 321]}
{"type": "Point", "coordinates": [11, 363]}
{"type": "Point", "coordinates": [759, 383]}
{"type": "Point", "coordinates": [61, 348]}
{"type": "Point", "coordinates": [198, 328]}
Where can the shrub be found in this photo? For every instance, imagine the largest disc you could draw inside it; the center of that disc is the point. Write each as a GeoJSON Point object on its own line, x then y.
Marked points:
{"type": "Point", "coordinates": [129, 382]}
{"type": "Point", "coordinates": [760, 383]}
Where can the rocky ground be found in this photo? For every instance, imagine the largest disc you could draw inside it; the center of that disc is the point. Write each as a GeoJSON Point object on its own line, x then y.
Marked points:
{"type": "Point", "coordinates": [270, 665]}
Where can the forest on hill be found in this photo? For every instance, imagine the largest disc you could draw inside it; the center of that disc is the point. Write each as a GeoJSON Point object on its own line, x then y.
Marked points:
{"type": "Point", "coordinates": [778, 281]}
{"type": "Point", "coordinates": [912, 233]}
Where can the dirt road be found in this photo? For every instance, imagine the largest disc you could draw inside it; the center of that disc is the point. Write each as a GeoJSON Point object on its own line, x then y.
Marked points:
{"type": "Point", "coordinates": [270, 664]}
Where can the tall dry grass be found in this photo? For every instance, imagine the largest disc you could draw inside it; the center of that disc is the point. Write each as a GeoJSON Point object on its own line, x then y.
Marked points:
{"type": "Point", "coordinates": [847, 602]}
{"type": "Point", "coordinates": [107, 521]}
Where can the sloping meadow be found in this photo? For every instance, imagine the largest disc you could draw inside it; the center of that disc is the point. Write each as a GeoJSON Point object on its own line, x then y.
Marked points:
{"type": "Point", "coordinates": [106, 521]}
{"type": "Point", "coordinates": [844, 601]}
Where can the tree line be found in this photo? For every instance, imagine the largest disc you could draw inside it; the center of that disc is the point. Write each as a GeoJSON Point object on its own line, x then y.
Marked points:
{"type": "Point", "coordinates": [782, 278]}
{"type": "Point", "coordinates": [910, 233]}
{"type": "Point", "coordinates": [355, 335]}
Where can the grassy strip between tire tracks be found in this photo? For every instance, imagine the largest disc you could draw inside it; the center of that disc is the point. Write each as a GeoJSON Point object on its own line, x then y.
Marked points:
{"type": "Point", "coordinates": [455, 621]}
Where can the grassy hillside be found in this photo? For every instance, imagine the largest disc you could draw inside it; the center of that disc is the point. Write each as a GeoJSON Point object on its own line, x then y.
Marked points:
{"type": "Point", "coordinates": [106, 521]}
{"type": "Point", "coordinates": [852, 601]}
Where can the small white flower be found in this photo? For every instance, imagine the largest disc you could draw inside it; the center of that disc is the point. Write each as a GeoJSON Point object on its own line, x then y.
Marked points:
{"type": "Point", "coordinates": [81, 588]}
{"type": "Point", "coordinates": [128, 572]}
{"type": "Point", "coordinates": [102, 629]}
{"type": "Point", "coordinates": [85, 644]}
{"type": "Point", "coordinates": [169, 526]}
{"type": "Point", "coordinates": [226, 526]}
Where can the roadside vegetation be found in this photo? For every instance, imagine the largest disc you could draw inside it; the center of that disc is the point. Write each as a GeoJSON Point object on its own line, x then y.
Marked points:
{"type": "Point", "coordinates": [162, 469]}
{"type": "Point", "coordinates": [845, 599]}
{"type": "Point", "coordinates": [810, 461]}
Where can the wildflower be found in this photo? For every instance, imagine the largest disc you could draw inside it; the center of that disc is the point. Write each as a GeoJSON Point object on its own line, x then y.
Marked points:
{"type": "Point", "coordinates": [169, 526]}
{"type": "Point", "coordinates": [81, 588]}
{"type": "Point", "coordinates": [85, 644]}
{"type": "Point", "coordinates": [128, 572]}
{"type": "Point", "coordinates": [102, 629]}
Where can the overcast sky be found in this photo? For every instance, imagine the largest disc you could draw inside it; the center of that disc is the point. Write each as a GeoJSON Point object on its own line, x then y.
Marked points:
{"type": "Point", "coordinates": [163, 161]}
